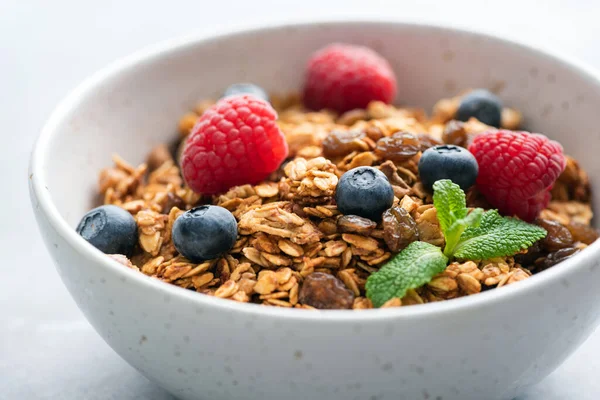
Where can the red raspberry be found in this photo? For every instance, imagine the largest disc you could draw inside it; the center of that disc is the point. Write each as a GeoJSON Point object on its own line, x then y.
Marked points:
{"type": "Point", "coordinates": [234, 142]}
{"type": "Point", "coordinates": [517, 170]}
{"type": "Point", "coordinates": [343, 77]}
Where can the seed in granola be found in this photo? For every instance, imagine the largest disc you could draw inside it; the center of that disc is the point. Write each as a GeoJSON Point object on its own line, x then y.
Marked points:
{"type": "Point", "coordinates": [340, 143]}
{"type": "Point", "coordinates": [400, 229]}
{"type": "Point", "coordinates": [355, 224]}
{"type": "Point", "coordinates": [364, 191]}
{"type": "Point", "coordinates": [558, 236]}
{"type": "Point", "coordinates": [204, 233]}
{"type": "Point", "coordinates": [325, 291]}
{"type": "Point", "coordinates": [554, 258]}
{"type": "Point", "coordinates": [582, 233]}
{"type": "Point", "coordinates": [110, 229]}
{"type": "Point", "coordinates": [401, 146]}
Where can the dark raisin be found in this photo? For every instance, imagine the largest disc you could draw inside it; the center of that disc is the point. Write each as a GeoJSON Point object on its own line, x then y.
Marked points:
{"type": "Point", "coordinates": [475, 199]}
{"type": "Point", "coordinates": [427, 141]}
{"type": "Point", "coordinates": [582, 233]}
{"type": "Point", "coordinates": [355, 224]}
{"type": "Point", "coordinates": [340, 143]}
{"type": "Point", "coordinates": [171, 201]}
{"type": "Point", "coordinates": [326, 292]}
{"type": "Point", "coordinates": [533, 253]}
{"type": "Point", "coordinates": [455, 133]}
{"type": "Point", "coordinates": [558, 236]}
{"type": "Point", "coordinates": [554, 258]}
{"type": "Point", "coordinates": [400, 229]}
{"type": "Point", "coordinates": [401, 146]}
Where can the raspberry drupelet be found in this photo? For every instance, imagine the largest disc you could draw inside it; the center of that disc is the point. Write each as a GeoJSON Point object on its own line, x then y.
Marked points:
{"type": "Point", "coordinates": [234, 142]}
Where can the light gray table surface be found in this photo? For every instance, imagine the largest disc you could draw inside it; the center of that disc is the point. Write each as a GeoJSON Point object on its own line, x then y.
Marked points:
{"type": "Point", "coordinates": [47, 349]}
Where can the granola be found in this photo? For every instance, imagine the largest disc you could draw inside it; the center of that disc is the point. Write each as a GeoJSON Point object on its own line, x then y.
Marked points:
{"type": "Point", "coordinates": [295, 248]}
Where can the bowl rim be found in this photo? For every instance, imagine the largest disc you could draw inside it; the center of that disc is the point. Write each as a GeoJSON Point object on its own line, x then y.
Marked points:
{"type": "Point", "coordinates": [41, 198]}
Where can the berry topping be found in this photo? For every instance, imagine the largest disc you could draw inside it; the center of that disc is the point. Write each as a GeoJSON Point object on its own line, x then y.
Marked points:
{"type": "Point", "coordinates": [235, 142]}
{"type": "Point", "coordinates": [481, 104]}
{"type": "Point", "coordinates": [343, 77]}
{"type": "Point", "coordinates": [110, 229]}
{"type": "Point", "coordinates": [364, 191]}
{"type": "Point", "coordinates": [517, 170]}
{"type": "Point", "coordinates": [246, 88]}
{"type": "Point", "coordinates": [204, 233]}
{"type": "Point", "coordinates": [448, 162]}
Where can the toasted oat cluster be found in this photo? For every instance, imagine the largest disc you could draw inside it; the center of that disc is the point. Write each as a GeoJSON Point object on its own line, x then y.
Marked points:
{"type": "Point", "coordinates": [296, 249]}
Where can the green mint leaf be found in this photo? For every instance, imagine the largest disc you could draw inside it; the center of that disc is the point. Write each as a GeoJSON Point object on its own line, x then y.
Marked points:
{"type": "Point", "coordinates": [450, 203]}
{"type": "Point", "coordinates": [452, 212]}
{"type": "Point", "coordinates": [497, 236]}
{"type": "Point", "coordinates": [454, 233]}
{"type": "Point", "coordinates": [411, 268]}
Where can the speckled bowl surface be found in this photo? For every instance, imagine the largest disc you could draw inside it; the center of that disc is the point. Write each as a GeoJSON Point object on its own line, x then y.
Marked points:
{"type": "Point", "coordinates": [488, 346]}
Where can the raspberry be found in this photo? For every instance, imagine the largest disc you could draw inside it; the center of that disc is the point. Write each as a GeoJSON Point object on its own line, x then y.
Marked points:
{"type": "Point", "coordinates": [343, 77]}
{"type": "Point", "coordinates": [235, 142]}
{"type": "Point", "coordinates": [517, 170]}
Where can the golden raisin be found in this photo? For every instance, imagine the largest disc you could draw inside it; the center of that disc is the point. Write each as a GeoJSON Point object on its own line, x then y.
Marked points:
{"type": "Point", "coordinates": [455, 133]}
{"type": "Point", "coordinates": [558, 236]}
{"type": "Point", "coordinates": [325, 291]}
{"type": "Point", "coordinates": [427, 141]}
{"type": "Point", "coordinates": [582, 233]}
{"type": "Point", "coordinates": [400, 229]}
{"type": "Point", "coordinates": [340, 143]}
{"type": "Point", "coordinates": [401, 146]}
{"type": "Point", "coordinates": [355, 224]}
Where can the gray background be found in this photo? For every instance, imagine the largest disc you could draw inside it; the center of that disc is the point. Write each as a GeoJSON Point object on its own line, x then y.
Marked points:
{"type": "Point", "coordinates": [47, 349]}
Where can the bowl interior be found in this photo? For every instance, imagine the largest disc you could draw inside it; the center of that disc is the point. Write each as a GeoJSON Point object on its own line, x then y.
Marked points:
{"type": "Point", "coordinates": [136, 104]}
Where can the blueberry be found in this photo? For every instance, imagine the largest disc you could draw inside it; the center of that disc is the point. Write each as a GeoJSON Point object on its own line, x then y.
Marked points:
{"type": "Point", "coordinates": [110, 229]}
{"type": "Point", "coordinates": [483, 105]}
{"type": "Point", "coordinates": [448, 162]}
{"type": "Point", "coordinates": [204, 233]}
{"type": "Point", "coordinates": [246, 88]}
{"type": "Point", "coordinates": [364, 191]}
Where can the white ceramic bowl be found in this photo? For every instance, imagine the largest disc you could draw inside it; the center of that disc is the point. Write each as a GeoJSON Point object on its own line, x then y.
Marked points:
{"type": "Point", "coordinates": [489, 346]}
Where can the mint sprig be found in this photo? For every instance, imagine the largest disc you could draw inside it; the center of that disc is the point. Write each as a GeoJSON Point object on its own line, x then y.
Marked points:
{"type": "Point", "coordinates": [409, 269]}
{"type": "Point", "coordinates": [452, 212]}
{"type": "Point", "coordinates": [469, 235]}
{"type": "Point", "coordinates": [496, 236]}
